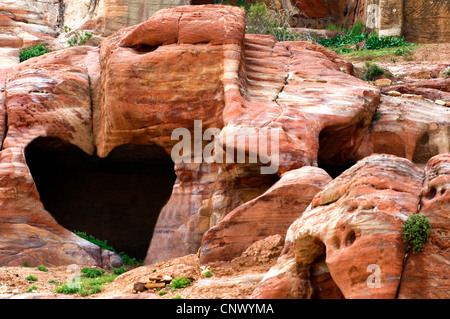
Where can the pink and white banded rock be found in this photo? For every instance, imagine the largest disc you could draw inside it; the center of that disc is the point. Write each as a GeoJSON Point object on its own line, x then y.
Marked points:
{"type": "Point", "coordinates": [412, 128]}
{"type": "Point", "coordinates": [268, 214]}
{"type": "Point", "coordinates": [354, 223]}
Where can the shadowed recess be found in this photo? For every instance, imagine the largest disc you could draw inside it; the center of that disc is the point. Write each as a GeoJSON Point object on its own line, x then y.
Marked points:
{"type": "Point", "coordinates": [117, 198]}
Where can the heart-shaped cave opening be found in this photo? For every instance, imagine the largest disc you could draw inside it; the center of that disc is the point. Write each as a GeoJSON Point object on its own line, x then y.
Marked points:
{"type": "Point", "coordinates": [117, 198]}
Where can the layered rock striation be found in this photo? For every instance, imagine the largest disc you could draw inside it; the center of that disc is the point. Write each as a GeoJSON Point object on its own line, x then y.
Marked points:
{"type": "Point", "coordinates": [190, 75]}
{"type": "Point", "coordinates": [353, 228]}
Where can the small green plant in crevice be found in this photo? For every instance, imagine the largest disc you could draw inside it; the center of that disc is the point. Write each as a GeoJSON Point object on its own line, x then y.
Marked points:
{"type": "Point", "coordinates": [31, 278]}
{"type": "Point", "coordinates": [180, 282]}
{"type": "Point", "coordinates": [177, 297]}
{"type": "Point", "coordinates": [416, 231]}
{"type": "Point", "coordinates": [26, 264]}
{"type": "Point", "coordinates": [376, 116]}
{"type": "Point", "coordinates": [445, 74]}
{"type": "Point", "coordinates": [370, 71]}
{"type": "Point", "coordinates": [42, 268]}
{"type": "Point", "coordinates": [32, 52]}
{"type": "Point", "coordinates": [207, 273]}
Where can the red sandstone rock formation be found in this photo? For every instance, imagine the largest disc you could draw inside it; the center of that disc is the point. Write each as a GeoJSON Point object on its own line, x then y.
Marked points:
{"type": "Point", "coordinates": [163, 74]}
{"type": "Point", "coordinates": [45, 98]}
{"type": "Point", "coordinates": [426, 275]}
{"type": "Point", "coordinates": [269, 214]}
{"type": "Point", "coordinates": [355, 223]}
{"type": "Point", "coordinates": [409, 127]}
{"type": "Point", "coordinates": [244, 83]}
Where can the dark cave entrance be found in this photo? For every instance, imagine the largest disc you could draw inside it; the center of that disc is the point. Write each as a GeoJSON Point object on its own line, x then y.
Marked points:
{"type": "Point", "coordinates": [117, 198]}
{"type": "Point", "coordinates": [331, 143]}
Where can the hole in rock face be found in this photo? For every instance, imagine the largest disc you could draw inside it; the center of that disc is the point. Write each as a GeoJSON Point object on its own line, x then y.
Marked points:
{"type": "Point", "coordinates": [350, 239]}
{"type": "Point", "coordinates": [333, 142]}
{"type": "Point", "coordinates": [432, 193]}
{"type": "Point", "coordinates": [117, 198]}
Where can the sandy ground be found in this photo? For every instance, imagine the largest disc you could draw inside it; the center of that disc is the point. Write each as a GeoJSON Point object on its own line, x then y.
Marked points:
{"type": "Point", "coordinates": [229, 280]}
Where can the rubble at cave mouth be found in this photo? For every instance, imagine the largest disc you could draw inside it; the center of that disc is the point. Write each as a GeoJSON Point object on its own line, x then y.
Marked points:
{"type": "Point", "coordinates": [117, 198]}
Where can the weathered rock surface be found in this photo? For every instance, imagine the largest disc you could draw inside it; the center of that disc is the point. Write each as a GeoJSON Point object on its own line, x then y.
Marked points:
{"type": "Point", "coordinates": [42, 99]}
{"type": "Point", "coordinates": [433, 89]}
{"type": "Point", "coordinates": [62, 95]}
{"type": "Point", "coordinates": [148, 80]}
{"type": "Point", "coordinates": [108, 16]}
{"type": "Point", "coordinates": [427, 274]}
{"type": "Point", "coordinates": [417, 16]}
{"type": "Point", "coordinates": [269, 214]}
{"type": "Point", "coordinates": [409, 127]}
{"type": "Point", "coordinates": [247, 83]}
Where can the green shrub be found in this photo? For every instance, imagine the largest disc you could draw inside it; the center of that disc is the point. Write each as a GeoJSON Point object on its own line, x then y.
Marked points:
{"type": "Point", "coordinates": [127, 260]}
{"type": "Point", "coordinates": [342, 43]}
{"type": "Point", "coordinates": [42, 268]}
{"type": "Point", "coordinates": [31, 288]}
{"type": "Point", "coordinates": [445, 74]}
{"type": "Point", "coordinates": [240, 3]}
{"type": "Point", "coordinates": [401, 51]}
{"type": "Point", "coordinates": [180, 282]}
{"type": "Point", "coordinates": [67, 289]}
{"type": "Point", "coordinates": [371, 71]}
{"type": "Point", "coordinates": [415, 232]}
{"type": "Point", "coordinates": [87, 285]}
{"type": "Point", "coordinates": [119, 271]}
{"type": "Point", "coordinates": [334, 27]}
{"type": "Point", "coordinates": [31, 278]}
{"type": "Point", "coordinates": [103, 244]}
{"type": "Point", "coordinates": [92, 272]}
{"type": "Point", "coordinates": [177, 297]}
{"type": "Point", "coordinates": [162, 292]}
{"type": "Point", "coordinates": [357, 29]}
{"type": "Point", "coordinates": [207, 273]}
{"type": "Point", "coordinates": [259, 19]}
{"type": "Point", "coordinates": [374, 42]}
{"type": "Point", "coordinates": [32, 52]}
{"type": "Point", "coordinates": [79, 38]}
{"type": "Point", "coordinates": [90, 290]}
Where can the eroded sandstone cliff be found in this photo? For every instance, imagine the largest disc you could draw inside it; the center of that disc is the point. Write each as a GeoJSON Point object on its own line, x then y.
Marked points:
{"type": "Point", "coordinates": [114, 109]}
